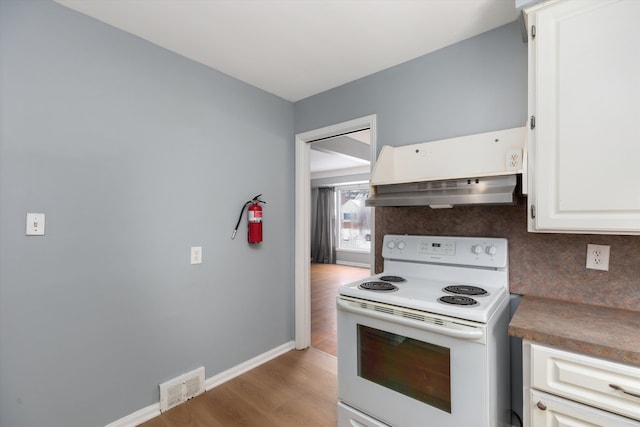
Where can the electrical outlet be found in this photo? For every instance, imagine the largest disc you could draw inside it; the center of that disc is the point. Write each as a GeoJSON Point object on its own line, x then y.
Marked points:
{"type": "Point", "coordinates": [514, 160]}
{"type": "Point", "coordinates": [598, 257]}
{"type": "Point", "coordinates": [196, 255]}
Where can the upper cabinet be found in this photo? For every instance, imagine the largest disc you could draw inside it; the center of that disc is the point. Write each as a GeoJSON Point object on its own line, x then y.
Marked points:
{"type": "Point", "coordinates": [584, 108]}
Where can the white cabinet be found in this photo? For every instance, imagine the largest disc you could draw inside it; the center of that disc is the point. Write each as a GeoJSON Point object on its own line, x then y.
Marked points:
{"type": "Point", "coordinates": [551, 411]}
{"type": "Point", "coordinates": [584, 104]}
{"type": "Point", "coordinates": [562, 388]}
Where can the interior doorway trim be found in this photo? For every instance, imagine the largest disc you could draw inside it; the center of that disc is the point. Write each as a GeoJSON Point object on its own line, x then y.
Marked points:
{"type": "Point", "coordinates": [303, 218]}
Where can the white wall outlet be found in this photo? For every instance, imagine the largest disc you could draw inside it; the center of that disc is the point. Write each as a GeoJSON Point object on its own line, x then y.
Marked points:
{"type": "Point", "coordinates": [514, 160]}
{"type": "Point", "coordinates": [35, 224]}
{"type": "Point", "coordinates": [598, 257]}
{"type": "Point", "coordinates": [196, 255]}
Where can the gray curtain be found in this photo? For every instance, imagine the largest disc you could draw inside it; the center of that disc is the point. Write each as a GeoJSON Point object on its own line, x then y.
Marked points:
{"type": "Point", "coordinates": [323, 241]}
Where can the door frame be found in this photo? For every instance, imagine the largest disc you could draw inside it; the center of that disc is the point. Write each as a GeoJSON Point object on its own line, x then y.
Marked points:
{"type": "Point", "coordinates": [302, 245]}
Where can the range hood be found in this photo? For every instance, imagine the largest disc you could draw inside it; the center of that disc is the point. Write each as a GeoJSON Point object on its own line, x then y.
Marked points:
{"type": "Point", "coordinates": [469, 170]}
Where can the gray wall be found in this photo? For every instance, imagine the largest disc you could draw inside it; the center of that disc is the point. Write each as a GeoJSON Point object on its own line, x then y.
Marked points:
{"type": "Point", "coordinates": [134, 154]}
{"type": "Point", "coordinates": [477, 85]}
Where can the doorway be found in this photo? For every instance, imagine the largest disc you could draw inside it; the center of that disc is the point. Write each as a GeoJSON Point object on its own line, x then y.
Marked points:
{"type": "Point", "coordinates": [325, 281]}
{"type": "Point", "coordinates": [303, 217]}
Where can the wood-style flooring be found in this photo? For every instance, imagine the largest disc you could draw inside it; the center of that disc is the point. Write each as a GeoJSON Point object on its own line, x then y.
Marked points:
{"type": "Point", "coordinates": [325, 281]}
{"type": "Point", "coordinates": [297, 389]}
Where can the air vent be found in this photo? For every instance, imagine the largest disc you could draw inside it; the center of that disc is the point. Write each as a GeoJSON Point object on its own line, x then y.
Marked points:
{"type": "Point", "coordinates": [170, 394]}
{"type": "Point", "coordinates": [414, 316]}
{"type": "Point", "coordinates": [436, 185]}
{"type": "Point", "coordinates": [423, 318]}
{"type": "Point", "coordinates": [180, 389]}
{"type": "Point", "coordinates": [384, 309]}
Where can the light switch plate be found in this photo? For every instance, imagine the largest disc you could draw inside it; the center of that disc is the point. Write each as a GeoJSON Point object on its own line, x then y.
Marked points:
{"type": "Point", "coordinates": [35, 224]}
{"type": "Point", "coordinates": [196, 255]}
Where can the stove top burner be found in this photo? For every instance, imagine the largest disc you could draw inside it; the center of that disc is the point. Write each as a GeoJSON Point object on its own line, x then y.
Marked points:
{"type": "Point", "coordinates": [465, 290]}
{"type": "Point", "coordinates": [457, 300]}
{"type": "Point", "coordinates": [378, 286]}
{"type": "Point", "coordinates": [395, 279]}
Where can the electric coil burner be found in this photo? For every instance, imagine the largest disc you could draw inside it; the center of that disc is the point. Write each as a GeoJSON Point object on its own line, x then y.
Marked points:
{"type": "Point", "coordinates": [457, 300]}
{"type": "Point", "coordinates": [465, 290]}
{"type": "Point", "coordinates": [378, 286]}
{"type": "Point", "coordinates": [396, 279]}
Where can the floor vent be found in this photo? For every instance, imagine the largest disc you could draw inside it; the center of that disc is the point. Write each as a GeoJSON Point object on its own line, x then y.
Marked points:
{"type": "Point", "coordinates": [180, 389]}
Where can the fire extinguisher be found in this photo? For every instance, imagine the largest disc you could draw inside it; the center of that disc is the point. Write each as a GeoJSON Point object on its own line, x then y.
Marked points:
{"type": "Point", "coordinates": [254, 216]}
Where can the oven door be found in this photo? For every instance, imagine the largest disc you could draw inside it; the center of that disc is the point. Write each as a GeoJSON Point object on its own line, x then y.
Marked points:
{"type": "Point", "coordinates": [409, 368]}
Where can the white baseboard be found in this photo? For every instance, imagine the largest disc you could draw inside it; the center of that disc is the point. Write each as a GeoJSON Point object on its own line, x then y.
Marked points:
{"type": "Point", "coordinates": [138, 417]}
{"type": "Point", "coordinates": [354, 264]}
{"type": "Point", "coordinates": [240, 369]}
{"type": "Point", "coordinates": [152, 411]}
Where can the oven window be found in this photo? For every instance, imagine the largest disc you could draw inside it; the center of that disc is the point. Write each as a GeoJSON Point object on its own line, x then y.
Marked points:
{"type": "Point", "coordinates": [414, 368]}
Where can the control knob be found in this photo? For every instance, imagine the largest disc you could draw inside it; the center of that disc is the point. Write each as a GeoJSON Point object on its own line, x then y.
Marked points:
{"type": "Point", "coordinates": [491, 250]}
{"type": "Point", "coordinates": [476, 249]}
{"type": "Point", "coordinates": [401, 244]}
{"type": "Point", "coordinates": [391, 244]}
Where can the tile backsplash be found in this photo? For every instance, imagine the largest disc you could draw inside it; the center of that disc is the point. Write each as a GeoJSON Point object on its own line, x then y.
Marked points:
{"type": "Point", "coordinates": [540, 264]}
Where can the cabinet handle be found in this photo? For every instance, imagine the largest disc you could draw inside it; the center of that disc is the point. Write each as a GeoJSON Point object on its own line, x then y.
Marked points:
{"type": "Point", "coordinates": [617, 387]}
{"type": "Point", "coordinates": [541, 406]}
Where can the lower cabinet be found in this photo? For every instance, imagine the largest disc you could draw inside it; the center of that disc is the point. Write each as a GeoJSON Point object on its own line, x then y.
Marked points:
{"type": "Point", "coordinates": [548, 410]}
{"type": "Point", "coordinates": [566, 389]}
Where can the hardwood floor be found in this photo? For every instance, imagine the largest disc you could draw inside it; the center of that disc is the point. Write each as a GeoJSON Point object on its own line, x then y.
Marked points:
{"type": "Point", "coordinates": [325, 281]}
{"type": "Point", "coordinates": [297, 389]}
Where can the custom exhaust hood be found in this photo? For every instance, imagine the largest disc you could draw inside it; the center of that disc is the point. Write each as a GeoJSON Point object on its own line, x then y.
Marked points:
{"type": "Point", "coordinates": [469, 170]}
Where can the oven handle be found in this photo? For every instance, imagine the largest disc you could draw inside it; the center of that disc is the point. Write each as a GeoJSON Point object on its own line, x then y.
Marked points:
{"type": "Point", "coordinates": [456, 333]}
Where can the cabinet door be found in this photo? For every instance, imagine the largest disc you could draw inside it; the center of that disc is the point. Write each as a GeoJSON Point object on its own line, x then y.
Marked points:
{"type": "Point", "coordinates": [611, 386]}
{"type": "Point", "coordinates": [551, 411]}
{"type": "Point", "coordinates": [584, 92]}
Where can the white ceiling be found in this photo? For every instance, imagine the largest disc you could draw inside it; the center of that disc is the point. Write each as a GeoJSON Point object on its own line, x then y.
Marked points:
{"type": "Point", "coordinates": [335, 163]}
{"type": "Point", "coordinates": [298, 48]}
{"type": "Point", "coordinates": [339, 156]}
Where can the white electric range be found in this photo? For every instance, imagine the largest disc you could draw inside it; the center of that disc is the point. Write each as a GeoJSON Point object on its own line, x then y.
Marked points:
{"type": "Point", "coordinates": [426, 340]}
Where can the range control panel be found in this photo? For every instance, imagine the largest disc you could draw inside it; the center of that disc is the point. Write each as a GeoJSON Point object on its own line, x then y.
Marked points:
{"type": "Point", "coordinates": [437, 248]}
{"type": "Point", "coordinates": [473, 251]}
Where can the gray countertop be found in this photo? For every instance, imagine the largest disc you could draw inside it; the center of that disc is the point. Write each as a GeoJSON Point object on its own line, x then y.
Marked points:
{"type": "Point", "coordinates": [592, 330]}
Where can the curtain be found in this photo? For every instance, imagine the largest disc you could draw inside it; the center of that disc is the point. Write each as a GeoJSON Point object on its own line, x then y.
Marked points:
{"type": "Point", "coordinates": [323, 242]}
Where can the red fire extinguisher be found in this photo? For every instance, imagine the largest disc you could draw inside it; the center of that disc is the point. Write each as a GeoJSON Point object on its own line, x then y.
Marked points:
{"type": "Point", "coordinates": [254, 216]}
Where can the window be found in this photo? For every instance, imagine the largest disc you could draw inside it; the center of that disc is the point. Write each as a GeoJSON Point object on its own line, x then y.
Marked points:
{"type": "Point", "coordinates": [354, 225]}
